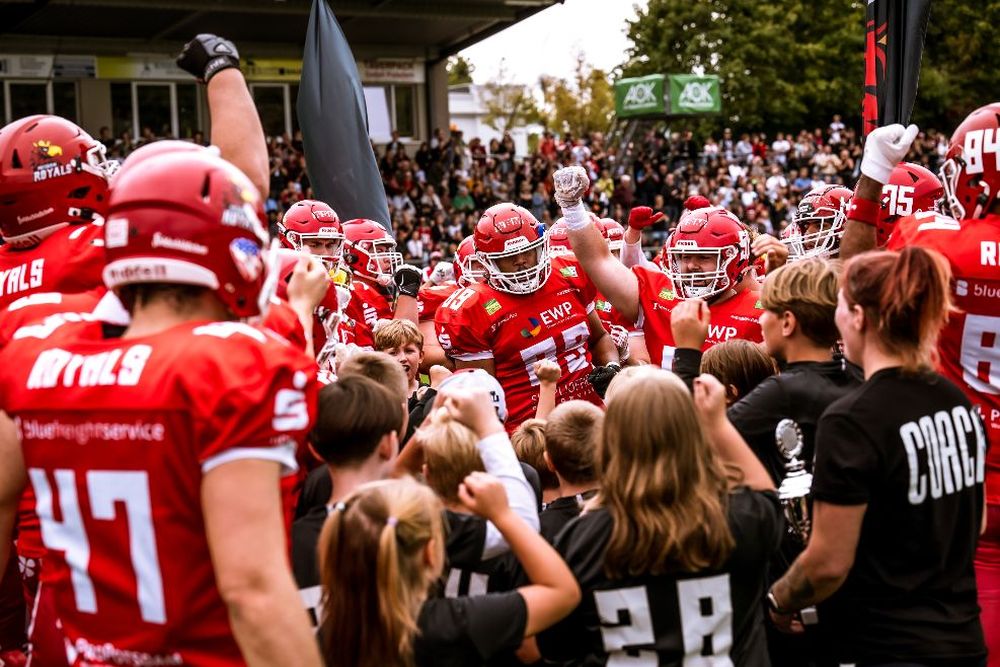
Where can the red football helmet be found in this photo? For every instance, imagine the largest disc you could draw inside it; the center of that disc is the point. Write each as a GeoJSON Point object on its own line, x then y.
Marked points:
{"type": "Point", "coordinates": [707, 253]}
{"type": "Point", "coordinates": [558, 238]}
{"type": "Point", "coordinates": [468, 268]}
{"type": "Point", "coordinates": [508, 234]}
{"type": "Point", "coordinates": [188, 218]}
{"type": "Point", "coordinates": [314, 226]}
{"type": "Point", "coordinates": [971, 170]}
{"type": "Point", "coordinates": [52, 174]}
{"type": "Point", "coordinates": [370, 250]}
{"type": "Point", "coordinates": [819, 220]}
{"type": "Point", "coordinates": [614, 234]}
{"type": "Point", "coordinates": [911, 189]}
{"type": "Point", "coordinates": [158, 149]}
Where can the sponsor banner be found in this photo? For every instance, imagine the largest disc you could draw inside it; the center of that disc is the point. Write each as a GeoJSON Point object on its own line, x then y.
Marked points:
{"type": "Point", "coordinates": [694, 94]}
{"type": "Point", "coordinates": [642, 96]}
{"type": "Point", "coordinates": [140, 67]}
{"type": "Point", "coordinates": [388, 70]}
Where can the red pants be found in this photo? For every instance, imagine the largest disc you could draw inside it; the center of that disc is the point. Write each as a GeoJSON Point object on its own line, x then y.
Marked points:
{"type": "Point", "coordinates": [988, 582]}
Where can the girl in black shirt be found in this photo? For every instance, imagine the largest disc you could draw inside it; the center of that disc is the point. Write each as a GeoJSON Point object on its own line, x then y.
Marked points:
{"type": "Point", "coordinates": [381, 552]}
{"type": "Point", "coordinates": [898, 483]}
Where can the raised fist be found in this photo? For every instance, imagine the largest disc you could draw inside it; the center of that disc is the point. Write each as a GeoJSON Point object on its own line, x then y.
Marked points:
{"type": "Point", "coordinates": [571, 184]}
{"type": "Point", "coordinates": [885, 147]}
{"type": "Point", "coordinates": [407, 280]}
{"type": "Point", "coordinates": [442, 273]}
{"type": "Point", "coordinates": [206, 55]}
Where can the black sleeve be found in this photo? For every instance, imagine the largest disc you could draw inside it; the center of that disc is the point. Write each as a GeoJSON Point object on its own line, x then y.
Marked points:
{"type": "Point", "coordinates": [418, 413]}
{"type": "Point", "coordinates": [755, 416]}
{"type": "Point", "coordinates": [687, 365]}
{"type": "Point", "coordinates": [757, 522]}
{"type": "Point", "coordinates": [846, 462]}
{"type": "Point", "coordinates": [470, 630]}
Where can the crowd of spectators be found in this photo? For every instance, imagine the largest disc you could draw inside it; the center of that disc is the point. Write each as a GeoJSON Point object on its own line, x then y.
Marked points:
{"type": "Point", "coordinates": [437, 192]}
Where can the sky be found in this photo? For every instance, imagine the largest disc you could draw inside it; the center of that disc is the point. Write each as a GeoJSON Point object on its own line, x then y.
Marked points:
{"type": "Point", "coordinates": [547, 43]}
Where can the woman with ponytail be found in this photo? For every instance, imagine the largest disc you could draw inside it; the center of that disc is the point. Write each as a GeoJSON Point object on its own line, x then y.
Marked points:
{"type": "Point", "coordinates": [381, 554]}
{"type": "Point", "coordinates": [898, 483]}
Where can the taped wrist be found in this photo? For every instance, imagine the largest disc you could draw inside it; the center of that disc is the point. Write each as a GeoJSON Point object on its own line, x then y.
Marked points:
{"type": "Point", "coordinates": [577, 217]}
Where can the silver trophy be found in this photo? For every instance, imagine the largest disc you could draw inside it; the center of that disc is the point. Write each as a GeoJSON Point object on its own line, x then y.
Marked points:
{"type": "Point", "coordinates": [794, 491]}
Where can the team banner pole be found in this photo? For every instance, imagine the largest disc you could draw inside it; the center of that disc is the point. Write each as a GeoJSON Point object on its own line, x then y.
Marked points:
{"type": "Point", "coordinates": [334, 120]}
{"type": "Point", "coordinates": [893, 47]}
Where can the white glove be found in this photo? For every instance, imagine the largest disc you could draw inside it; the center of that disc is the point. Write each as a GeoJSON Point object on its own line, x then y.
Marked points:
{"type": "Point", "coordinates": [884, 148]}
{"type": "Point", "coordinates": [571, 184]}
{"type": "Point", "coordinates": [619, 335]}
{"type": "Point", "coordinates": [442, 273]}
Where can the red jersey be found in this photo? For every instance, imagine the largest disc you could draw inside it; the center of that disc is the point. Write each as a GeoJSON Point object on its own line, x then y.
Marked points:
{"type": "Point", "coordinates": [117, 435]}
{"type": "Point", "coordinates": [369, 304]}
{"type": "Point", "coordinates": [969, 344]}
{"type": "Point", "coordinates": [70, 260]}
{"type": "Point", "coordinates": [430, 298]}
{"type": "Point", "coordinates": [479, 322]}
{"type": "Point", "coordinates": [736, 317]}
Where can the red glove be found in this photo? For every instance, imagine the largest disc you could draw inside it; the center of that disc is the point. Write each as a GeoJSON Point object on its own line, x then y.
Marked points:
{"type": "Point", "coordinates": [641, 217]}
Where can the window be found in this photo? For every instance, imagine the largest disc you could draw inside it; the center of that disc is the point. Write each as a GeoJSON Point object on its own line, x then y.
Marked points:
{"type": "Point", "coordinates": [271, 104]}
{"type": "Point", "coordinates": [64, 99]}
{"type": "Point", "coordinates": [187, 110]}
{"type": "Point", "coordinates": [27, 99]}
{"type": "Point", "coordinates": [405, 107]}
{"type": "Point", "coordinates": [154, 109]}
{"type": "Point", "coordinates": [122, 115]}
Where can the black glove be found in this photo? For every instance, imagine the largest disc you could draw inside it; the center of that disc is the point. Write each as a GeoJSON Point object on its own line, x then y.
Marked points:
{"type": "Point", "coordinates": [206, 55]}
{"type": "Point", "coordinates": [602, 376]}
{"type": "Point", "coordinates": [407, 280]}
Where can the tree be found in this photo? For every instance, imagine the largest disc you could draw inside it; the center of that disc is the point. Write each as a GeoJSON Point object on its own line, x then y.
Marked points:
{"type": "Point", "coordinates": [582, 105]}
{"type": "Point", "coordinates": [508, 104]}
{"type": "Point", "coordinates": [459, 70]}
{"type": "Point", "coordinates": [793, 64]}
{"type": "Point", "coordinates": [780, 64]}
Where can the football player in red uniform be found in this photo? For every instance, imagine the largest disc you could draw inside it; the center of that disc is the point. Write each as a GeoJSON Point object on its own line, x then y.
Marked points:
{"type": "Point", "coordinates": [819, 223]}
{"type": "Point", "coordinates": [911, 189]}
{"type": "Point", "coordinates": [378, 275]}
{"type": "Point", "coordinates": [146, 515]}
{"type": "Point", "coordinates": [969, 344]}
{"type": "Point", "coordinates": [53, 185]}
{"type": "Point", "coordinates": [467, 270]}
{"type": "Point", "coordinates": [706, 256]}
{"type": "Point", "coordinates": [524, 311]}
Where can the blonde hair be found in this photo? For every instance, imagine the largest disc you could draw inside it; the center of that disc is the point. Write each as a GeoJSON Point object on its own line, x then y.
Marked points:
{"type": "Point", "coordinates": [571, 439]}
{"type": "Point", "coordinates": [450, 454]}
{"type": "Point", "coordinates": [529, 445]}
{"type": "Point", "coordinates": [374, 572]}
{"type": "Point", "coordinates": [738, 363]}
{"type": "Point", "coordinates": [397, 333]}
{"type": "Point", "coordinates": [380, 367]}
{"type": "Point", "coordinates": [660, 482]}
{"type": "Point", "coordinates": [808, 290]}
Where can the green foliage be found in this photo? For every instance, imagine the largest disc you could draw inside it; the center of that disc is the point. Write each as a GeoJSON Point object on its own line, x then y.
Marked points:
{"type": "Point", "coordinates": [793, 64]}
{"type": "Point", "coordinates": [508, 104]}
{"type": "Point", "coordinates": [582, 105]}
{"type": "Point", "coordinates": [459, 70]}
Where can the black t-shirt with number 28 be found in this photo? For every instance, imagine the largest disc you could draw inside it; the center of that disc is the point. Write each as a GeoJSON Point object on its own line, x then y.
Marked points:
{"type": "Point", "coordinates": [670, 619]}
{"type": "Point", "coordinates": [912, 448]}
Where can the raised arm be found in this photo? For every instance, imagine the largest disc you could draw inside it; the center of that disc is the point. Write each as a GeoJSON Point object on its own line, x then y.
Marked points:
{"type": "Point", "coordinates": [236, 128]}
{"type": "Point", "coordinates": [884, 148]}
{"type": "Point", "coordinates": [616, 282]}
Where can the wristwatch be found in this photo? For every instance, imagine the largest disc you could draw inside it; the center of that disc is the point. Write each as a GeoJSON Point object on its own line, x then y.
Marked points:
{"type": "Point", "coordinates": [772, 604]}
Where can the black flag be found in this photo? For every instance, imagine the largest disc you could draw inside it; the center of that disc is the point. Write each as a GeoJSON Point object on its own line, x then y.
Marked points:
{"type": "Point", "coordinates": [893, 47]}
{"type": "Point", "coordinates": [334, 121]}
